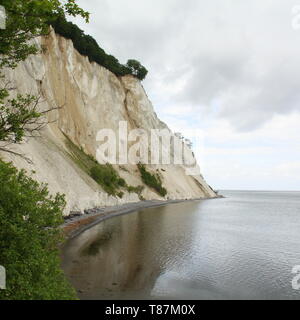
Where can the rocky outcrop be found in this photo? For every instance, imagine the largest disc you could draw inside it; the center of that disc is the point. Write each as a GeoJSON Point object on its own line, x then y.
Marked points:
{"type": "Point", "coordinates": [88, 98]}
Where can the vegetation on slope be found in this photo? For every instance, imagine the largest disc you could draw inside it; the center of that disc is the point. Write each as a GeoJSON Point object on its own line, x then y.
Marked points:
{"type": "Point", "coordinates": [108, 178]}
{"type": "Point", "coordinates": [88, 46]}
{"type": "Point", "coordinates": [104, 174]}
{"type": "Point", "coordinates": [152, 180]}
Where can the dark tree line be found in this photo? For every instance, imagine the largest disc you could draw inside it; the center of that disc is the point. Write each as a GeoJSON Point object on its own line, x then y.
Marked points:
{"type": "Point", "coordinates": [88, 46]}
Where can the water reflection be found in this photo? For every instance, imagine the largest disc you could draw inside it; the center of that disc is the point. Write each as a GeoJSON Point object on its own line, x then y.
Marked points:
{"type": "Point", "coordinates": [125, 254]}
{"type": "Point", "coordinates": [241, 247]}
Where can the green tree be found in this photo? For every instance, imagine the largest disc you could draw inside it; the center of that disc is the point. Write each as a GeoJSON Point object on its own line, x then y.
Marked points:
{"type": "Point", "coordinates": [29, 216]}
{"type": "Point", "coordinates": [137, 69]}
{"type": "Point", "coordinates": [29, 238]}
{"type": "Point", "coordinates": [26, 19]}
{"type": "Point", "coordinates": [88, 46]}
{"type": "Point", "coordinates": [18, 118]}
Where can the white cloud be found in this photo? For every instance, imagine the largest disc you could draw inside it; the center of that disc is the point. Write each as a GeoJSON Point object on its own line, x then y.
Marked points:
{"type": "Point", "coordinates": [229, 68]}
{"type": "Point", "coordinates": [267, 158]}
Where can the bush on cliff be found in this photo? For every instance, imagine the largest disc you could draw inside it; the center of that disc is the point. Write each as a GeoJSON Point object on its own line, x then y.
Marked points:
{"type": "Point", "coordinates": [151, 180]}
{"type": "Point", "coordinates": [104, 174]}
{"type": "Point", "coordinates": [107, 177]}
{"type": "Point", "coordinates": [30, 238]}
{"type": "Point", "coordinates": [137, 69]}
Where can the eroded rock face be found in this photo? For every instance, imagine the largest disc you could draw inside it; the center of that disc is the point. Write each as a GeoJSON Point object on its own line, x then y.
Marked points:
{"type": "Point", "coordinates": [89, 98]}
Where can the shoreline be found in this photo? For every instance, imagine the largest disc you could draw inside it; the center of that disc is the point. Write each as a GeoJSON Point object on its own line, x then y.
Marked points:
{"type": "Point", "coordinates": [77, 223]}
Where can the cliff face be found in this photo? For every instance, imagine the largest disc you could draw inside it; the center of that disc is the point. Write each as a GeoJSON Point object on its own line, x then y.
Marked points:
{"type": "Point", "coordinates": [91, 98]}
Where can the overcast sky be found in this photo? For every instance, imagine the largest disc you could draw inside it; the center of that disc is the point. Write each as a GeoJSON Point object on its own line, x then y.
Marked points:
{"type": "Point", "coordinates": [230, 69]}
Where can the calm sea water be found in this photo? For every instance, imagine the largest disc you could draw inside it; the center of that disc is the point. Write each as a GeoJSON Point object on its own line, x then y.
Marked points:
{"type": "Point", "coordinates": [240, 247]}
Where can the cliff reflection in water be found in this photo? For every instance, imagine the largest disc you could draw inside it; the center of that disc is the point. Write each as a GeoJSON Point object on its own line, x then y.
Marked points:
{"type": "Point", "coordinates": [123, 254]}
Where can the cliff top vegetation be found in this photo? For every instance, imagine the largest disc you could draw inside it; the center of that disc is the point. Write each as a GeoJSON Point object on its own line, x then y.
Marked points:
{"type": "Point", "coordinates": [88, 46]}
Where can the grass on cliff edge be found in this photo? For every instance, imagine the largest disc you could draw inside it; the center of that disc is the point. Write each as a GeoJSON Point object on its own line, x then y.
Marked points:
{"type": "Point", "coordinates": [104, 174]}
{"type": "Point", "coordinates": [30, 238]}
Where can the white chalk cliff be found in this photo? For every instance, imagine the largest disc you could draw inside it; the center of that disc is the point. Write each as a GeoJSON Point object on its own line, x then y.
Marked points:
{"type": "Point", "coordinates": [92, 98]}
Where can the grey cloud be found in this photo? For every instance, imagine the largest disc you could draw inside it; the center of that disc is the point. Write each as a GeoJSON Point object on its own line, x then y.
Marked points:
{"type": "Point", "coordinates": [242, 56]}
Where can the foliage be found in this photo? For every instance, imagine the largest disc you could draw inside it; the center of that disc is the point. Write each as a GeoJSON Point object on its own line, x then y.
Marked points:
{"type": "Point", "coordinates": [138, 189]}
{"type": "Point", "coordinates": [27, 19]}
{"type": "Point", "coordinates": [137, 69]}
{"type": "Point", "coordinates": [16, 116]}
{"type": "Point", "coordinates": [29, 216]}
{"type": "Point", "coordinates": [19, 118]}
{"type": "Point", "coordinates": [84, 161]}
{"type": "Point", "coordinates": [29, 238]}
{"type": "Point", "coordinates": [107, 177]}
{"type": "Point", "coordinates": [151, 180]}
{"type": "Point", "coordinates": [120, 194]}
{"type": "Point", "coordinates": [104, 174]}
{"type": "Point", "coordinates": [88, 46]}
{"type": "Point", "coordinates": [121, 182]}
